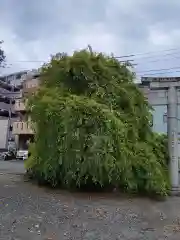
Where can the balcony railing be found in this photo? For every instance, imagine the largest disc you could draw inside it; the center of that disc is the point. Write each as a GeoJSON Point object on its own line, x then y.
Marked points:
{"type": "Point", "coordinates": [19, 106]}
{"type": "Point", "coordinates": [22, 127]}
{"type": "Point", "coordinates": [30, 85]}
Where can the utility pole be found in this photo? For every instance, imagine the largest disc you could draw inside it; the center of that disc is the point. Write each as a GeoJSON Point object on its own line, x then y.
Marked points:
{"type": "Point", "coordinates": [169, 88]}
{"type": "Point", "coordinates": [172, 130]}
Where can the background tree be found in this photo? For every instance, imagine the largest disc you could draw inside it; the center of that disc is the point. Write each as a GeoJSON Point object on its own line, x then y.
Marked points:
{"type": "Point", "coordinates": [93, 127]}
{"type": "Point", "coordinates": [2, 55]}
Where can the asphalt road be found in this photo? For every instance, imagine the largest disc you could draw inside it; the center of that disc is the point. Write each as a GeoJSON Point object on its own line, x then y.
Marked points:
{"type": "Point", "coordinates": [28, 212]}
{"type": "Point", "coordinates": [13, 166]}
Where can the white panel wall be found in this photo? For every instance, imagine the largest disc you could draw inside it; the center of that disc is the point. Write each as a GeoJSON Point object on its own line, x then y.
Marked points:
{"type": "Point", "coordinates": [3, 131]}
{"type": "Point", "coordinates": [159, 125]}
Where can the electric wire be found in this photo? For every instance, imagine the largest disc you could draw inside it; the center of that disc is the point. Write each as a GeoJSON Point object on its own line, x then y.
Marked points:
{"type": "Point", "coordinates": [135, 60]}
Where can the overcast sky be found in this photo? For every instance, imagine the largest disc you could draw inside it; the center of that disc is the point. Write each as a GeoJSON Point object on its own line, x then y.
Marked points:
{"type": "Point", "coordinates": [34, 29]}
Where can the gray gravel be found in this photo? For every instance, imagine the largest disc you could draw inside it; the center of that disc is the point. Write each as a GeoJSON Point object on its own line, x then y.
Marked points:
{"type": "Point", "coordinates": [30, 212]}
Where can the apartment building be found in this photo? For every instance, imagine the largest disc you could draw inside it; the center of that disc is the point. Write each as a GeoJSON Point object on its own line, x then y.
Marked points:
{"type": "Point", "coordinates": [22, 127]}
{"type": "Point", "coordinates": [15, 79]}
{"type": "Point", "coordinates": [8, 93]}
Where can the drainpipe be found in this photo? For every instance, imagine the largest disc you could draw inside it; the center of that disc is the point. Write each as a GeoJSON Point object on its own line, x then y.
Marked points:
{"type": "Point", "coordinates": [10, 117]}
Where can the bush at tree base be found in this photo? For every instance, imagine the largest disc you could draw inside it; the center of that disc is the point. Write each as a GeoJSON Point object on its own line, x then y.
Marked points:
{"type": "Point", "coordinates": [93, 127]}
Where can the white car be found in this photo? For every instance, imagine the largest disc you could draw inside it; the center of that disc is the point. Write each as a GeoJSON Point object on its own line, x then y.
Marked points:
{"type": "Point", "coordinates": [22, 154]}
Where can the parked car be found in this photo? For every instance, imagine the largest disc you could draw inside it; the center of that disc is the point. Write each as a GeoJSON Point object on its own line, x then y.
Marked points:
{"type": "Point", "coordinates": [10, 155]}
{"type": "Point", "coordinates": [2, 155]}
{"type": "Point", "coordinates": [22, 154]}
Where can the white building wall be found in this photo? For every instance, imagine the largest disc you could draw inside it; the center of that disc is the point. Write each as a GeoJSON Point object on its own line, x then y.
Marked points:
{"type": "Point", "coordinates": [3, 135]}
{"type": "Point", "coordinates": [159, 119]}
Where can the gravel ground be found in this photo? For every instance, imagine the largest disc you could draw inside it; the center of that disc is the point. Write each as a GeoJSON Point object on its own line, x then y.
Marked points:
{"type": "Point", "coordinates": [28, 212]}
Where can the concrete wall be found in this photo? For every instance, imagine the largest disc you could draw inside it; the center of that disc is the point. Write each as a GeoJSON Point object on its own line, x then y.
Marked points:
{"type": "Point", "coordinates": [159, 121]}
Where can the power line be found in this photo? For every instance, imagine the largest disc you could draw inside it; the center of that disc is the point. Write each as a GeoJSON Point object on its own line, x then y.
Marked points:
{"type": "Point", "coordinates": [151, 61]}
{"type": "Point", "coordinates": [163, 55]}
{"type": "Point", "coordinates": [161, 59]}
{"type": "Point", "coordinates": [162, 69]}
{"type": "Point", "coordinates": [157, 70]}
{"type": "Point", "coordinates": [155, 56]}
{"type": "Point", "coordinates": [159, 73]}
{"type": "Point", "coordinates": [134, 57]}
{"type": "Point", "coordinates": [120, 57]}
{"type": "Point", "coordinates": [144, 74]}
{"type": "Point", "coordinates": [126, 56]}
{"type": "Point", "coordinates": [152, 52]}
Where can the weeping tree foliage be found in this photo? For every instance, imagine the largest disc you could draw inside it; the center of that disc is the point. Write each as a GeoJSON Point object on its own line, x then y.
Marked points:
{"type": "Point", "coordinates": [93, 127]}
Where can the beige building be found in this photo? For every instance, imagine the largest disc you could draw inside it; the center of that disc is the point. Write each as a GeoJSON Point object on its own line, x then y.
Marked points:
{"type": "Point", "coordinates": [22, 128]}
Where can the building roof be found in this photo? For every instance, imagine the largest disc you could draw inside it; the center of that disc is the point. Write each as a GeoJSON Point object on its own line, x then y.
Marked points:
{"type": "Point", "coordinates": [14, 73]}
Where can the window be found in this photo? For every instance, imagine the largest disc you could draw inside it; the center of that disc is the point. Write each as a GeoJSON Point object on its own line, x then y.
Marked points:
{"type": "Point", "coordinates": [18, 76]}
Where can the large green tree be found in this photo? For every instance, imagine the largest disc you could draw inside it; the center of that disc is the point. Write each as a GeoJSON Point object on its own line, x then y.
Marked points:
{"type": "Point", "coordinates": [93, 127]}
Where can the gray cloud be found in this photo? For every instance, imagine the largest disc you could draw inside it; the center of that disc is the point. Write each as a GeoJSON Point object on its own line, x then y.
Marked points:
{"type": "Point", "coordinates": [35, 29]}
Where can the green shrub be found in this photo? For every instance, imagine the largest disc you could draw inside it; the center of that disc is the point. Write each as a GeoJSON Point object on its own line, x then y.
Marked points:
{"type": "Point", "coordinates": [93, 128]}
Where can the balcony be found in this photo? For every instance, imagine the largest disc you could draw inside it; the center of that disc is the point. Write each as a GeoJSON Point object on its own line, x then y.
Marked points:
{"type": "Point", "coordinates": [19, 105]}
{"type": "Point", "coordinates": [22, 127]}
{"type": "Point", "coordinates": [30, 86]}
